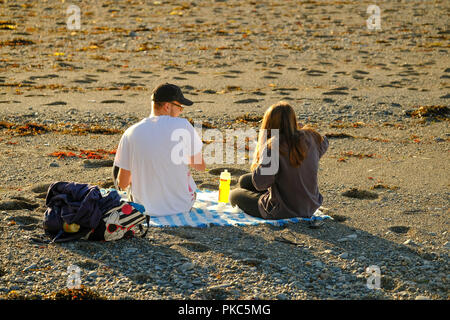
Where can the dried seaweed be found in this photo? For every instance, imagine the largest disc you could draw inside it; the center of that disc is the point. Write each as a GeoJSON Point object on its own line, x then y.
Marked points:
{"type": "Point", "coordinates": [340, 124]}
{"type": "Point", "coordinates": [92, 129]}
{"type": "Point", "coordinates": [74, 294]}
{"type": "Point", "coordinates": [248, 118]}
{"type": "Point", "coordinates": [14, 84]}
{"type": "Point", "coordinates": [374, 139]}
{"type": "Point", "coordinates": [358, 155]}
{"type": "Point", "coordinates": [5, 125]}
{"type": "Point", "coordinates": [16, 295]}
{"type": "Point", "coordinates": [383, 186]}
{"type": "Point", "coordinates": [26, 129]}
{"type": "Point", "coordinates": [62, 154]}
{"type": "Point", "coordinates": [340, 135]}
{"type": "Point", "coordinates": [430, 112]}
{"type": "Point", "coordinates": [205, 124]}
{"type": "Point", "coordinates": [84, 154]}
{"type": "Point", "coordinates": [96, 154]}
{"type": "Point", "coordinates": [7, 25]}
{"type": "Point", "coordinates": [16, 42]}
{"type": "Point", "coordinates": [230, 89]}
{"type": "Point", "coordinates": [35, 128]}
{"type": "Point", "coordinates": [31, 129]}
{"type": "Point", "coordinates": [146, 47]}
{"type": "Point", "coordinates": [395, 125]}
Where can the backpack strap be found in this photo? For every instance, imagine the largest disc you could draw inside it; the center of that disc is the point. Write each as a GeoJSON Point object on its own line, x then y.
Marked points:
{"type": "Point", "coordinates": [58, 235]}
{"type": "Point", "coordinates": [147, 221]}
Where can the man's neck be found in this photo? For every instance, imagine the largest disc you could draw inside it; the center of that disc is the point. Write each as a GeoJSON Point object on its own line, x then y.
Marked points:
{"type": "Point", "coordinates": [157, 114]}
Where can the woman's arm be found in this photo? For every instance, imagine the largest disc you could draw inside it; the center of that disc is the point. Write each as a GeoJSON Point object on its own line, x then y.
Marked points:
{"type": "Point", "coordinates": [264, 174]}
{"type": "Point", "coordinates": [323, 146]}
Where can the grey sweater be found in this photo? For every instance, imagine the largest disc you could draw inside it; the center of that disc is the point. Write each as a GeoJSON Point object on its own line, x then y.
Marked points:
{"type": "Point", "coordinates": [291, 192]}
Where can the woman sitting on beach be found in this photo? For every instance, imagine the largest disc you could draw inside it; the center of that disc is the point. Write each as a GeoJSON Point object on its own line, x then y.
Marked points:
{"type": "Point", "coordinates": [291, 190]}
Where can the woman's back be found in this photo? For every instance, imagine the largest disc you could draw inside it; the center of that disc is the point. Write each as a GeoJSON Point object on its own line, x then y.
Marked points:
{"type": "Point", "coordinates": [297, 187]}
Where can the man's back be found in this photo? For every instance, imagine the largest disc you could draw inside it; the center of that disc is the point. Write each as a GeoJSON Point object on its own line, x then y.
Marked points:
{"type": "Point", "coordinates": [160, 181]}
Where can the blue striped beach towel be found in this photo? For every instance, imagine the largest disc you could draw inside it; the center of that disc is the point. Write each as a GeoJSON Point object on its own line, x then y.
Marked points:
{"type": "Point", "coordinates": [208, 211]}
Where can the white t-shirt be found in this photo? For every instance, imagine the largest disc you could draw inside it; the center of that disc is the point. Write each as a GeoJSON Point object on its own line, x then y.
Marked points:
{"type": "Point", "coordinates": [156, 151]}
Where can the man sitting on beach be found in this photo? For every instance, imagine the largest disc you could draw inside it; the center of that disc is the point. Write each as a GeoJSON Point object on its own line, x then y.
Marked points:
{"type": "Point", "coordinates": [147, 158]}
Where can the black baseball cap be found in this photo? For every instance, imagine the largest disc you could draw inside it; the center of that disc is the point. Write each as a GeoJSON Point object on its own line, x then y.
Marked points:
{"type": "Point", "coordinates": [169, 92]}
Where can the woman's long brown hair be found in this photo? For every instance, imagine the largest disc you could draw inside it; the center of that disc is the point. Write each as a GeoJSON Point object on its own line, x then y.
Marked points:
{"type": "Point", "coordinates": [281, 116]}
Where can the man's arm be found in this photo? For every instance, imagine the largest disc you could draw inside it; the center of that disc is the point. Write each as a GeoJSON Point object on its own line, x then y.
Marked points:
{"type": "Point", "coordinates": [124, 178]}
{"type": "Point", "coordinates": [197, 162]}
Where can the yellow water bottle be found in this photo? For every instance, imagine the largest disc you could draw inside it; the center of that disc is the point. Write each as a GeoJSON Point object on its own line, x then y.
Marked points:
{"type": "Point", "coordinates": [71, 228]}
{"type": "Point", "coordinates": [224, 186]}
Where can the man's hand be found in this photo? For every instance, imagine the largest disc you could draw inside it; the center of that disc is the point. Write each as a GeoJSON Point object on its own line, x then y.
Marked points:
{"type": "Point", "coordinates": [123, 178]}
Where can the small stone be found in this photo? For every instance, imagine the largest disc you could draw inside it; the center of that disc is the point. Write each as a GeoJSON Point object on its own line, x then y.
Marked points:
{"type": "Point", "coordinates": [362, 258]}
{"type": "Point", "coordinates": [317, 264]}
{"type": "Point", "coordinates": [324, 275]}
{"type": "Point", "coordinates": [54, 165]}
{"type": "Point", "coordinates": [348, 238]}
{"type": "Point", "coordinates": [187, 266]}
{"type": "Point", "coordinates": [279, 281]}
{"type": "Point", "coordinates": [30, 267]}
{"type": "Point", "coordinates": [341, 278]}
{"type": "Point", "coordinates": [282, 296]}
{"type": "Point", "coordinates": [422, 298]}
{"type": "Point", "coordinates": [251, 261]}
{"type": "Point", "coordinates": [343, 255]}
{"type": "Point", "coordinates": [187, 285]}
{"type": "Point", "coordinates": [410, 242]}
{"type": "Point", "coordinates": [219, 286]}
{"type": "Point", "coordinates": [406, 260]}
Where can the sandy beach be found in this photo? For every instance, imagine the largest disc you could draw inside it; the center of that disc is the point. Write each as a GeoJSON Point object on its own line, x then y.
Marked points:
{"type": "Point", "coordinates": [380, 96]}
